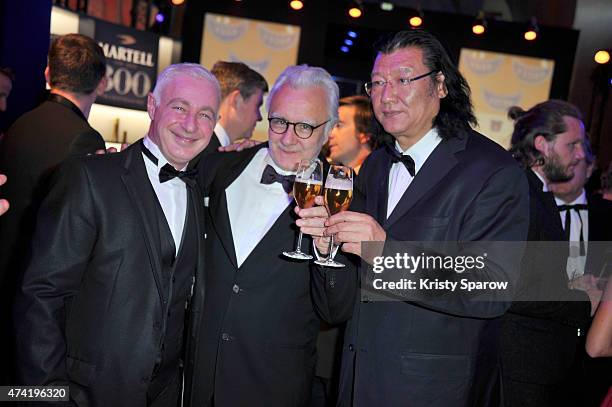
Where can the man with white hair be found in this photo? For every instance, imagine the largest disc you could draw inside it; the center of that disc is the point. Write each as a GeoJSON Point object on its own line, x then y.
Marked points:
{"type": "Point", "coordinates": [259, 326]}
{"type": "Point", "coordinates": [117, 258]}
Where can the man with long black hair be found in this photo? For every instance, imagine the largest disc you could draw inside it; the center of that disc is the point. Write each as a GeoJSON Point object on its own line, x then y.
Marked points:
{"type": "Point", "coordinates": [439, 181]}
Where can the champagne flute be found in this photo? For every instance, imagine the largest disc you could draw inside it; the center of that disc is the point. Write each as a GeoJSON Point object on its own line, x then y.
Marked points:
{"type": "Point", "coordinates": [338, 195]}
{"type": "Point", "coordinates": [307, 185]}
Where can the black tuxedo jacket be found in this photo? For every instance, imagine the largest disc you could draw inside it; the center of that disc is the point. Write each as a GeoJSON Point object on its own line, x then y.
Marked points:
{"type": "Point", "coordinates": [211, 148]}
{"type": "Point", "coordinates": [436, 353]}
{"type": "Point", "coordinates": [31, 150]}
{"type": "Point", "coordinates": [540, 338]}
{"type": "Point", "coordinates": [92, 310]}
{"type": "Point", "coordinates": [600, 230]}
{"type": "Point", "coordinates": [29, 153]}
{"type": "Point", "coordinates": [256, 345]}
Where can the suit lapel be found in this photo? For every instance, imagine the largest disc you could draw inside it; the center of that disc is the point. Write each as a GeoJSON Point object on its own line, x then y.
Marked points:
{"type": "Point", "coordinates": [143, 198]}
{"type": "Point", "coordinates": [436, 167]}
{"type": "Point", "coordinates": [196, 197]}
{"type": "Point", "coordinates": [382, 193]}
{"type": "Point", "coordinates": [220, 221]}
{"type": "Point", "coordinates": [547, 200]}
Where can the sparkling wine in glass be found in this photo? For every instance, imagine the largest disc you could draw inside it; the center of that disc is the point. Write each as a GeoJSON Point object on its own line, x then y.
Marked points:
{"type": "Point", "coordinates": [337, 196]}
{"type": "Point", "coordinates": [307, 185]}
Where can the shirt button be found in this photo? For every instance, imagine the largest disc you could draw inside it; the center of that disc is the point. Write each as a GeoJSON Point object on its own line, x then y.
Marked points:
{"type": "Point", "coordinates": [225, 336]}
{"type": "Point", "coordinates": [351, 347]}
{"type": "Point", "coordinates": [236, 289]}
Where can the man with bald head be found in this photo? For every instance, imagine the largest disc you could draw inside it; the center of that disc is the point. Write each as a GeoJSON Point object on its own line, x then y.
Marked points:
{"type": "Point", "coordinates": [117, 259]}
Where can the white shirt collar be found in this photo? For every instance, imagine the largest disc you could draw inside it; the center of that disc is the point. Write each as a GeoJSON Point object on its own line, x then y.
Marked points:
{"type": "Point", "coordinates": [154, 149]}
{"type": "Point", "coordinates": [581, 199]}
{"type": "Point", "coordinates": [422, 149]}
{"type": "Point", "coordinates": [541, 178]}
{"type": "Point", "coordinates": [269, 161]}
{"type": "Point", "coordinates": [222, 135]}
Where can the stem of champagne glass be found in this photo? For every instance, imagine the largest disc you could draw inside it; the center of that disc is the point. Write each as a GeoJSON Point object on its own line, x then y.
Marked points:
{"type": "Point", "coordinates": [299, 243]}
{"type": "Point", "coordinates": [331, 247]}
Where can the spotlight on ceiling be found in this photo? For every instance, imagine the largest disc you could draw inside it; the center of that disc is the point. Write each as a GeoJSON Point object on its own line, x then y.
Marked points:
{"type": "Point", "coordinates": [386, 6]}
{"type": "Point", "coordinates": [348, 42]}
{"type": "Point", "coordinates": [602, 56]}
{"type": "Point", "coordinates": [416, 19]}
{"type": "Point", "coordinates": [344, 49]}
{"type": "Point", "coordinates": [159, 17]}
{"type": "Point", "coordinates": [352, 34]}
{"type": "Point", "coordinates": [296, 4]}
{"type": "Point", "coordinates": [480, 24]}
{"type": "Point", "coordinates": [355, 10]}
{"type": "Point", "coordinates": [177, 2]}
{"type": "Point", "coordinates": [532, 30]}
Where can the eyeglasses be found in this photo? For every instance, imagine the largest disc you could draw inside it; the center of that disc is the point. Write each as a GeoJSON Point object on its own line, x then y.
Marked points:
{"type": "Point", "coordinates": [376, 87]}
{"type": "Point", "coordinates": [302, 130]}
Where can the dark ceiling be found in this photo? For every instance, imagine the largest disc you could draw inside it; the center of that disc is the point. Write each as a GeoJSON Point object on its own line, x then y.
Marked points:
{"type": "Point", "coordinates": [558, 13]}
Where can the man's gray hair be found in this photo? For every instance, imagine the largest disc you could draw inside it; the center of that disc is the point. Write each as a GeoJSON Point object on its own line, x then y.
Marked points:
{"type": "Point", "coordinates": [185, 69]}
{"type": "Point", "coordinates": [304, 76]}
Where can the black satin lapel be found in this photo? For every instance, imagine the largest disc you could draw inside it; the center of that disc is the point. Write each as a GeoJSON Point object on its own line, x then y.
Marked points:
{"type": "Point", "coordinates": [551, 207]}
{"type": "Point", "coordinates": [437, 165]}
{"type": "Point", "coordinates": [382, 194]}
{"type": "Point", "coordinates": [220, 222]}
{"type": "Point", "coordinates": [198, 203]}
{"type": "Point", "coordinates": [547, 200]}
{"type": "Point", "coordinates": [143, 198]}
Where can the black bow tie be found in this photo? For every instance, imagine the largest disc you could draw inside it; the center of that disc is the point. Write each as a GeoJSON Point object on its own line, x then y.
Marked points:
{"type": "Point", "coordinates": [270, 176]}
{"type": "Point", "coordinates": [405, 159]}
{"type": "Point", "coordinates": [168, 172]}
{"type": "Point", "coordinates": [576, 207]}
{"type": "Point", "coordinates": [568, 222]}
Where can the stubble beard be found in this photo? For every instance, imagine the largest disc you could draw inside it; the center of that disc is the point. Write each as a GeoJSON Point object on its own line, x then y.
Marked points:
{"type": "Point", "coordinates": [555, 171]}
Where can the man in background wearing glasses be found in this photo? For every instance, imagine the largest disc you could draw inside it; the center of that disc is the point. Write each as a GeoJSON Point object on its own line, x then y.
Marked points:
{"type": "Point", "coordinates": [257, 343]}
{"type": "Point", "coordinates": [438, 181]}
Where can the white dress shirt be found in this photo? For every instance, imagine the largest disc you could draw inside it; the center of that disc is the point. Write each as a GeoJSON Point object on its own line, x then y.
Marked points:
{"type": "Point", "coordinates": [399, 177]}
{"type": "Point", "coordinates": [172, 194]}
{"type": "Point", "coordinates": [254, 207]}
{"type": "Point", "coordinates": [222, 135]}
{"type": "Point", "coordinates": [576, 262]}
